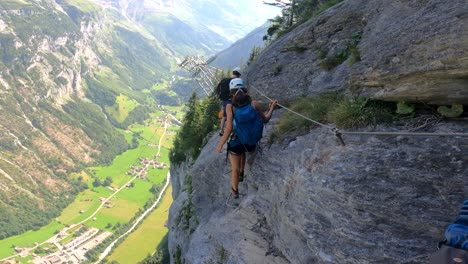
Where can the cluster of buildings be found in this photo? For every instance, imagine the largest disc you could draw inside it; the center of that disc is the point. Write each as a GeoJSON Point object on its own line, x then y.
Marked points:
{"type": "Point", "coordinates": [141, 171]}
{"type": "Point", "coordinates": [75, 251]}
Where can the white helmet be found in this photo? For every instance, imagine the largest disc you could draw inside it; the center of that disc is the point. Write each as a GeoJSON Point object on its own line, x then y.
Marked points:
{"type": "Point", "coordinates": [236, 83]}
{"type": "Point", "coordinates": [237, 70]}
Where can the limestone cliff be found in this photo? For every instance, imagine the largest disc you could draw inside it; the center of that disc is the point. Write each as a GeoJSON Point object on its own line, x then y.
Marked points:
{"type": "Point", "coordinates": [379, 199]}
{"type": "Point", "coordinates": [409, 50]}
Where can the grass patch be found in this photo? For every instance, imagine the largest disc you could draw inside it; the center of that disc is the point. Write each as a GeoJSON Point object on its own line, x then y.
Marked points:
{"type": "Point", "coordinates": [122, 107]}
{"type": "Point", "coordinates": [28, 239]}
{"type": "Point", "coordinates": [147, 236]}
{"type": "Point", "coordinates": [350, 52]}
{"type": "Point", "coordinates": [315, 108]}
{"type": "Point", "coordinates": [127, 134]}
{"type": "Point", "coordinates": [83, 5]}
{"type": "Point", "coordinates": [161, 85]}
{"type": "Point", "coordinates": [46, 249]}
{"type": "Point", "coordinates": [87, 201]}
{"type": "Point", "coordinates": [13, 4]}
{"type": "Point", "coordinates": [333, 108]}
{"type": "Point", "coordinates": [359, 112]}
{"type": "Point", "coordinates": [25, 260]}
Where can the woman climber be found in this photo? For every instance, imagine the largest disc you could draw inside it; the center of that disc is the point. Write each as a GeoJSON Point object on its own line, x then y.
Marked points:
{"type": "Point", "coordinates": [246, 119]}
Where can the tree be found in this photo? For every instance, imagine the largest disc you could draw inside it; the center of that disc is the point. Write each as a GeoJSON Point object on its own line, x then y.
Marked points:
{"type": "Point", "coordinates": [155, 189]}
{"type": "Point", "coordinates": [294, 12]}
{"type": "Point", "coordinates": [117, 225]}
{"type": "Point", "coordinates": [156, 258]}
{"type": "Point", "coordinates": [97, 182]}
{"type": "Point", "coordinates": [107, 181]}
{"type": "Point", "coordinates": [210, 115]}
{"type": "Point", "coordinates": [188, 136]}
{"type": "Point", "coordinates": [288, 9]}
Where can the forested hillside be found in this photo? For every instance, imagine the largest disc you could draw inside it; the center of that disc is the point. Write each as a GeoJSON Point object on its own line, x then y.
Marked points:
{"type": "Point", "coordinates": [72, 73]}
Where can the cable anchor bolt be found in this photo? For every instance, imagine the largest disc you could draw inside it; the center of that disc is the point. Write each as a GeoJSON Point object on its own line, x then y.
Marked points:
{"type": "Point", "coordinates": [338, 134]}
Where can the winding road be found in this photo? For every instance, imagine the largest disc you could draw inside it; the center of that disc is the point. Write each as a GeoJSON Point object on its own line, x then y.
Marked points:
{"type": "Point", "coordinates": [109, 248]}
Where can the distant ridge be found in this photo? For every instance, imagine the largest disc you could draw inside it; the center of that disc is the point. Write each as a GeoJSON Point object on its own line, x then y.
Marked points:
{"type": "Point", "coordinates": [238, 53]}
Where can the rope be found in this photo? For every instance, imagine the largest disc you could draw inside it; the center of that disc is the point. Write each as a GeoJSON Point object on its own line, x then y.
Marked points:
{"type": "Point", "coordinates": [292, 111]}
{"type": "Point", "coordinates": [338, 132]}
{"type": "Point", "coordinates": [417, 134]}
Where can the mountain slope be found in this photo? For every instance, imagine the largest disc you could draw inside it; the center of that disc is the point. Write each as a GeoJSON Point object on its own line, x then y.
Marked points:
{"type": "Point", "coordinates": [228, 18]}
{"type": "Point", "coordinates": [191, 39]}
{"type": "Point", "coordinates": [62, 66]}
{"type": "Point", "coordinates": [238, 53]}
{"type": "Point", "coordinates": [48, 128]}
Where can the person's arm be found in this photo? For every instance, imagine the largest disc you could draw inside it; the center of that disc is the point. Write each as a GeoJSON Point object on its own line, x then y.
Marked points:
{"type": "Point", "coordinates": [227, 130]}
{"type": "Point", "coordinates": [265, 117]}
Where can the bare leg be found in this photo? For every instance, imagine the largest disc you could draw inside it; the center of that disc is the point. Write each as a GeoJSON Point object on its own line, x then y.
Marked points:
{"type": "Point", "coordinates": [242, 162]}
{"type": "Point", "coordinates": [235, 165]}
{"type": "Point", "coordinates": [223, 120]}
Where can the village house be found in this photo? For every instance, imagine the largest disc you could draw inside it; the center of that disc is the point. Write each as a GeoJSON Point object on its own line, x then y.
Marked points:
{"type": "Point", "coordinates": [54, 259]}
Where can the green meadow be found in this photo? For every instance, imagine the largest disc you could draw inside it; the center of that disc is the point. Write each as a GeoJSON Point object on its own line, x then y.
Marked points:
{"type": "Point", "coordinates": [86, 202]}
{"type": "Point", "coordinates": [13, 4]}
{"type": "Point", "coordinates": [83, 5]}
{"type": "Point", "coordinates": [25, 260]}
{"type": "Point", "coordinates": [127, 134]}
{"type": "Point", "coordinates": [124, 205]}
{"type": "Point", "coordinates": [28, 239]}
{"type": "Point", "coordinates": [147, 236]}
{"type": "Point", "coordinates": [122, 107]}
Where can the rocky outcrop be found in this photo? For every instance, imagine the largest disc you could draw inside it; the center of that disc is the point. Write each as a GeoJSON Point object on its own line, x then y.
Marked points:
{"type": "Point", "coordinates": [379, 199]}
{"type": "Point", "coordinates": [311, 200]}
{"type": "Point", "coordinates": [409, 50]}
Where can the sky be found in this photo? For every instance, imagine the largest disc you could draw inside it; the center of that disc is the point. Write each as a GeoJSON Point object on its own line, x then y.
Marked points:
{"type": "Point", "coordinates": [232, 19]}
{"type": "Point", "coordinates": [265, 11]}
{"type": "Point", "coordinates": [253, 13]}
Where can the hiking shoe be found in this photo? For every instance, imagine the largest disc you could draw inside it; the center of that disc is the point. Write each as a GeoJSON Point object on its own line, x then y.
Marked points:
{"type": "Point", "coordinates": [235, 193]}
{"type": "Point", "coordinates": [241, 176]}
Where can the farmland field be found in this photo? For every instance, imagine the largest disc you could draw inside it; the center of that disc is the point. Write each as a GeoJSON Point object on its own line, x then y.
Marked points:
{"type": "Point", "coordinates": [124, 204]}
{"type": "Point", "coordinates": [147, 236]}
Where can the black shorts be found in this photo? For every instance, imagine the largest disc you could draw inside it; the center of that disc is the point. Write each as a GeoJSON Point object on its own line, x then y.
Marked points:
{"type": "Point", "coordinates": [239, 149]}
{"type": "Point", "coordinates": [224, 104]}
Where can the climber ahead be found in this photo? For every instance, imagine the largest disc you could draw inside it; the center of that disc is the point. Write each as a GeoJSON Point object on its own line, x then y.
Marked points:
{"type": "Point", "coordinates": [223, 92]}
{"type": "Point", "coordinates": [245, 119]}
{"type": "Point", "coordinates": [455, 247]}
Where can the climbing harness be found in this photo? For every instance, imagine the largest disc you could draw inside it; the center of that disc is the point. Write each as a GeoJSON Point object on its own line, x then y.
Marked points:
{"type": "Point", "coordinates": [338, 133]}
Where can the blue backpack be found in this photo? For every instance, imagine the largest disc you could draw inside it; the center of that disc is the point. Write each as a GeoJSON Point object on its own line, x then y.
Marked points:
{"type": "Point", "coordinates": [455, 247]}
{"type": "Point", "coordinates": [248, 126]}
{"type": "Point", "coordinates": [457, 236]}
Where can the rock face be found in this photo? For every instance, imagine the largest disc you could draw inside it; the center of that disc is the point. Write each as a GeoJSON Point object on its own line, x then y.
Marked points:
{"type": "Point", "coordinates": [410, 50]}
{"type": "Point", "coordinates": [376, 200]}
{"type": "Point", "coordinates": [379, 199]}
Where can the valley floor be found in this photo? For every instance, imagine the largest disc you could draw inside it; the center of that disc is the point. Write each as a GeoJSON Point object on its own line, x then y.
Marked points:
{"type": "Point", "coordinates": [101, 213]}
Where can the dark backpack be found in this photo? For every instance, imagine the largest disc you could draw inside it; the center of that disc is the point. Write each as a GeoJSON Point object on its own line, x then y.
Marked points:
{"type": "Point", "coordinates": [248, 126]}
{"type": "Point", "coordinates": [222, 90]}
